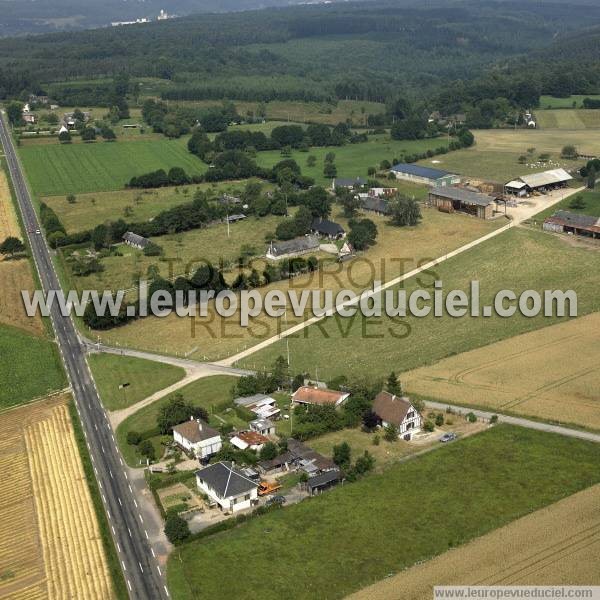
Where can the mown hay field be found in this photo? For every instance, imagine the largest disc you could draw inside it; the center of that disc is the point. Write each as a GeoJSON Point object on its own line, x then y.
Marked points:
{"type": "Point", "coordinates": [57, 169]}
{"type": "Point", "coordinates": [550, 374]}
{"type": "Point", "coordinates": [49, 539]}
{"type": "Point", "coordinates": [398, 250]}
{"type": "Point", "coordinates": [535, 550]}
{"type": "Point", "coordinates": [568, 119]}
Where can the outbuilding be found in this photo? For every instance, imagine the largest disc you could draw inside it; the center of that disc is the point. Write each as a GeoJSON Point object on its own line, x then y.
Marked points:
{"type": "Point", "coordinates": [135, 241]}
{"type": "Point", "coordinates": [455, 199]}
{"type": "Point", "coordinates": [319, 483]}
{"type": "Point", "coordinates": [328, 229]}
{"type": "Point", "coordinates": [564, 221]}
{"type": "Point", "coordinates": [311, 395]}
{"type": "Point", "coordinates": [295, 247]}
{"type": "Point", "coordinates": [427, 175]}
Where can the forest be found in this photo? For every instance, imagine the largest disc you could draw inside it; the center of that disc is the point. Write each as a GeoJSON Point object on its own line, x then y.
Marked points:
{"type": "Point", "coordinates": [488, 50]}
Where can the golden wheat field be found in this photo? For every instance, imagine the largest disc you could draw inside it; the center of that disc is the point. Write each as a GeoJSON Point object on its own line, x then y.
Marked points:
{"type": "Point", "coordinates": [551, 373]}
{"type": "Point", "coordinates": [9, 226]}
{"type": "Point", "coordinates": [50, 545]}
{"type": "Point", "coordinates": [558, 545]}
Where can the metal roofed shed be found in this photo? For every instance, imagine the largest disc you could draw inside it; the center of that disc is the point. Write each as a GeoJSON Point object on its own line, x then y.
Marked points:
{"type": "Point", "coordinates": [547, 178]}
{"type": "Point", "coordinates": [456, 199]}
{"type": "Point", "coordinates": [419, 174]}
{"type": "Point", "coordinates": [295, 247]}
{"type": "Point", "coordinates": [564, 221]}
{"type": "Point", "coordinates": [320, 483]}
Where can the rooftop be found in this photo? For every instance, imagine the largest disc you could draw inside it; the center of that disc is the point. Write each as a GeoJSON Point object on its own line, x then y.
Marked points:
{"type": "Point", "coordinates": [391, 408]}
{"type": "Point", "coordinates": [463, 195]}
{"type": "Point", "coordinates": [252, 438]}
{"type": "Point", "coordinates": [564, 217]}
{"type": "Point", "coordinates": [419, 171]}
{"type": "Point", "coordinates": [311, 395]}
{"type": "Point", "coordinates": [327, 227]}
{"type": "Point", "coordinates": [134, 238]}
{"type": "Point", "coordinates": [323, 479]}
{"type": "Point", "coordinates": [302, 244]}
{"type": "Point", "coordinates": [546, 178]}
{"type": "Point", "coordinates": [226, 480]}
{"type": "Point", "coordinates": [195, 431]}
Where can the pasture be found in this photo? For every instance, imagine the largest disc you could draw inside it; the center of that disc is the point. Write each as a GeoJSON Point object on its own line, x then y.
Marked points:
{"type": "Point", "coordinates": [208, 392]}
{"type": "Point", "coordinates": [570, 119]}
{"type": "Point", "coordinates": [548, 374]}
{"type": "Point", "coordinates": [132, 205]}
{"type": "Point", "coordinates": [591, 199]}
{"type": "Point", "coordinates": [398, 250]}
{"type": "Point", "coordinates": [495, 155]}
{"type": "Point", "coordinates": [575, 101]}
{"type": "Point", "coordinates": [142, 378]}
{"type": "Point", "coordinates": [32, 369]}
{"type": "Point", "coordinates": [353, 160]}
{"type": "Point", "coordinates": [45, 500]}
{"type": "Point", "coordinates": [529, 551]}
{"type": "Point", "coordinates": [60, 169]}
{"type": "Point", "coordinates": [347, 538]}
{"type": "Point", "coordinates": [410, 342]}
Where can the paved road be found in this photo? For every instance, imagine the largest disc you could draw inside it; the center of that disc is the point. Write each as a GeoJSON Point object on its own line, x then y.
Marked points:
{"type": "Point", "coordinates": [529, 424]}
{"type": "Point", "coordinates": [142, 572]}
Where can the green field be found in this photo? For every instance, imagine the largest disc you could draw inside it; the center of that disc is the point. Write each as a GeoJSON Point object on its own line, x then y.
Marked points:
{"type": "Point", "coordinates": [30, 367]}
{"type": "Point", "coordinates": [569, 119]}
{"type": "Point", "coordinates": [592, 206]}
{"type": "Point", "coordinates": [497, 264]}
{"type": "Point", "coordinates": [207, 392]}
{"type": "Point", "coordinates": [552, 102]}
{"type": "Point", "coordinates": [357, 534]}
{"type": "Point", "coordinates": [96, 208]}
{"type": "Point", "coordinates": [143, 376]}
{"type": "Point", "coordinates": [353, 160]}
{"type": "Point", "coordinates": [56, 169]}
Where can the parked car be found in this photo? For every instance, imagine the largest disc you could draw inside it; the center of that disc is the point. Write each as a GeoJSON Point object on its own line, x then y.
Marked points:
{"type": "Point", "coordinates": [276, 500]}
{"type": "Point", "coordinates": [448, 437]}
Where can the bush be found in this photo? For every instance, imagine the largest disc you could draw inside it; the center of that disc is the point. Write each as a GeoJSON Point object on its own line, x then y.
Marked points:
{"type": "Point", "coordinates": [134, 438]}
{"type": "Point", "coordinates": [493, 419]}
{"type": "Point", "coordinates": [471, 417]}
{"type": "Point", "coordinates": [177, 529]}
{"type": "Point", "coordinates": [428, 425]}
{"type": "Point", "coordinates": [439, 420]}
{"type": "Point", "coordinates": [376, 440]}
{"type": "Point", "coordinates": [390, 433]}
{"type": "Point", "coordinates": [146, 449]}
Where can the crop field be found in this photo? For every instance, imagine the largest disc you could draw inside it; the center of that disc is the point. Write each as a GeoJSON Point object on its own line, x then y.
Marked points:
{"type": "Point", "coordinates": [96, 208]}
{"type": "Point", "coordinates": [495, 155]}
{"type": "Point", "coordinates": [353, 160]}
{"type": "Point", "coordinates": [207, 392]}
{"type": "Point", "coordinates": [547, 102]}
{"type": "Point", "coordinates": [142, 378]}
{"type": "Point", "coordinates": [9, 225]}
{"type": "Point", "coordinates": [568, 119]}
{"type": "Point", "coordinates": [44, 500]}
{"type": "Point", "coordinates": [349, 537]}
{"type": "Point", "coordinates": [543, 374]}
{"type": "Point", "coordinates": [33, 370]}
{"type": "Point", "coordinates": [412, 342]}
{"type": "Point", "coordinates": [57, 169]}
{"type": "Point", "coordinates": [398, 250]}
{"type": "Point", "coordinates": [529, 551]}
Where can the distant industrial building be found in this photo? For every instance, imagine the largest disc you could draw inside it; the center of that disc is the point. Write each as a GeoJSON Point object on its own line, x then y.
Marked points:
{"type": "Point", "coordinates": [456, 199]}
{"type": "Point", "coordinates": [428, 176]}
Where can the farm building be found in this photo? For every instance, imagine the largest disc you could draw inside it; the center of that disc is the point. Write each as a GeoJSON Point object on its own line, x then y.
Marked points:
{"type": "Point", "coordinates": [328, 229]}
{"type": "Point", "coordinates": [311, 395]}
{"type": "Point", "coordinates": [379, 206]}
{"type": "Point", "coordinates": [262, 426]}
{"type": "Point", "coordinates": [197, 437]}
{"type": "Point", "coordinates": [348, 183]}
{"type": "Point", "coordinates": [456, 199]}
{"type": "Point", "coordinates": [322, 482]}
{"type": "Point", "coordinates": [261, 405]}
{"type": "Point", "coordinates": [135, 241]}
{"type": "Point", "coordinates": [227, 487]}
{"type": "Point", "coordinates": [541, 182]}
{"type": "Point", "coordinates": [236, 218]}
{"type": "Point", "coordinates": [249, 440]}
{"type": "Point", "coordinates": [308, 460]}
{"type": "Point", "coordinates": [564, 221]}
{"type": "Point", "coordinates": [295, 247]}
{"type": "Point", "coordinates": [427, 175]}
{"type": "Point", "coordinates": [398, 412]}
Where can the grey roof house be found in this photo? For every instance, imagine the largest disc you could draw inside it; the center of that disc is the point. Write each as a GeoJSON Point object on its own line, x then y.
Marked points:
{"type": "Point", "coordinates": [326, 228]}
{"type": "Point", "coordinates": [227, 486]}
{"type": "Point", "coordinates": [295, 247]}
{"type": "Point", "coordinates": [135, 240]}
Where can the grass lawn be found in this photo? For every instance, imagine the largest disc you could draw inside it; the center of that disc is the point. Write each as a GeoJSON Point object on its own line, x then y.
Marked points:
{"type": "Point", "coordinates": [183, 253]}
{"type": "Point", "coordinates": [495, 155]}
{"type": "Point", "coordinates": [353, 160]}
{"type": "Point", "coordinates": [552, 102]}
{"type": "Point", "coordinates": [516, 260]}
{"type": "Point", "coordinates": [398, 250]}
{"type": "Point", "coordinates": [56, 169]}
{"type": "Point", "coordinates": [354, 535]}
{"type": "Point", "coordinates": [96, 208]}
{"type": "Point", "coordinates": [208, 392]}
{"type": "Point", "coordinates": [592, 206]}
{"type": "Point", "coordinates": [143, 376]}
{"type": "Point", "coordinates": [30, 367]}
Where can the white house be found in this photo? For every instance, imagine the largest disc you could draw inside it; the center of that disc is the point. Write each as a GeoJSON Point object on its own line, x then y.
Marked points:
{"type": "Point", "coordinates": [227, 486]}
{"type": "Point", "coordinates": [262, 426]}
{"type": "Point", "coordinates": [399, 412]}
{"type": "Point", "coordinates": [197, 437]}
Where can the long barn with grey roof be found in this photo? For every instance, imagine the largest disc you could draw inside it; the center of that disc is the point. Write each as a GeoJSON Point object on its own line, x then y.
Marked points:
{"type": "Point", "coordinates": [564, 221]}
{"type": "Point", "coordinates": [427, 175]}
{"type": "Point", "coordinates": [295, 247]}
{"type": "Point", "coordinates": [135, 240]}
{"type": "Point", "coordinates": [456, 199]}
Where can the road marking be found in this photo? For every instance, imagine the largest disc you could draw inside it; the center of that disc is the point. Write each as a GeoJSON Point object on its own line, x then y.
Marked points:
{"type": "Point", "coordinates": [159, 571]}
{"type": "Point", "coordinates": [108, 513]}
{"type": "Point", "coordinates": [146, 532]}
{"type": "Point", "coordinates": [120, 460]}
{"type": "Point", "coordinates": [129, 486]}
{"type": "Point", "coordinates": [167, 591]}
{"type": "Point", "coordinates": [119, 499]}
{"type": "Point", "coordinates": [104, 498]}
{"type": "Point", "coordinates": [118, 548]}
{"type": "Point", "coordinates": [113, 529]}
{"type": "Point", "coordinates": [129, 585]}
{"type": "Point", "coordinates": [141, 568]}
{"type": "Point", "coordinates": [110, 473]}
{"type": "Point", "coordinates": [141, 520]}
{"type": "Point", "coordinates": [130, 533]}
{"type": "Point", "coordinates": [136, 504]}
{"type": "Point", "coordinates": [152, 550]}
{"type": "Point", "coordinates": [124, 567]}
